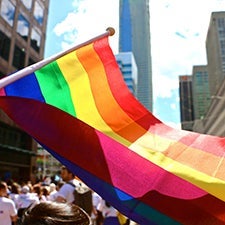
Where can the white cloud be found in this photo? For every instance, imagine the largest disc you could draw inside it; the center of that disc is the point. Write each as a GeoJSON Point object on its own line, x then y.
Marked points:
{"type": "Point", "coordinates": [68, 25]}
{"type": "Point", "coordinates": [178, 34]}
{"type": "Point", "coordinates": [89, 19]}
{"type": "Point", "coordinates": [163, 85]}
{"type": "Point", "coordinates": [173, 106]}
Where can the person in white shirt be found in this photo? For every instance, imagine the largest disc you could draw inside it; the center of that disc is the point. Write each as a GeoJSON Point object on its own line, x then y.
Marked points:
{"type": "Point", "coordinates": [53, 194]}
{"type": "Point", "coordinates": [96, 214]}
{"type": "Point", "coordinates": [25, 199]}
{"type": "Point", "coordinates": [52, 188]}
{"type": "Point", "coordinates": [66, 192]}
{"type": "Point", "coordinates": [109, 213]}
{"type": "Point", "coordinates": [14, 191]}
{"type": "Point", "coordinates": [8, 212]}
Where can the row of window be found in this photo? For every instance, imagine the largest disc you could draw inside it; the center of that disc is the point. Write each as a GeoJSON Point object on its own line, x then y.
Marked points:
{"type": "Point", "coordinates": [8, 10]}
{"type": "Point", "coordinates": [23, 26]}
{"type": "Point", "coordinates": [222, 47]}
{"type": "Point", "coordinates": [221, 22]}
{"type": "Point", "coordinates": [12, 137]}
{"type": "Point", "coordinates": [222, 33]}
{"type": "Point", "coordinates": [200, 78]}
{"type": "Point", "coordinates": [18, 56]}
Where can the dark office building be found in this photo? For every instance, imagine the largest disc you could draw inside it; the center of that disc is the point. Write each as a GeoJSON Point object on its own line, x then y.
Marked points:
{"type": "Point", "coordinates": [186, 102]}
{"type": "Point", "coordinates": [22, 40]}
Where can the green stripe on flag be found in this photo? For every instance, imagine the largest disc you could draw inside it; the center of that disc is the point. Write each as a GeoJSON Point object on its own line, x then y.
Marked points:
{"type": "Point", "coordinates": [54, 88]}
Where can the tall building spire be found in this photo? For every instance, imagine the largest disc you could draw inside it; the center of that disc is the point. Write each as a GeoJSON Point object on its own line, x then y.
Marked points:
{"type": "Point", "coordinates": [135, 37]}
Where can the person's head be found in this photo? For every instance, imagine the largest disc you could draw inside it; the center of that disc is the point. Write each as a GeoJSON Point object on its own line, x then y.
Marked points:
{"type": "Point", "coordinates": [3, 189]}
{"type": "Point", "coordinates": [37, 189]}
{"type": "Point", "coordinates": [107, 204]}
{"type": "Point", "coordinates": [53, 213]}
{"type": "Point", "coordinates": [15, 188]}
{"type": "Point", "coordinates": [52, 187]}
{"type": "Point", "coordinates": [66, 174]}
{"type": "Point", "coordinates": [45, 190]}
{"type": "Point", "coordinates": [25, 189]}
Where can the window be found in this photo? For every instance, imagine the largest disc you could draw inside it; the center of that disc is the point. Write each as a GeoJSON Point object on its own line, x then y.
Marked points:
{"type": "Point", "coordinates": [35, 40]}
{"type": "Point", "coordinates": [4, 46]}
{"type": "Point", "coordinates": [13, 137]}
{"type": "Point", "coordinates": [7, 11]}
{"type": "Point", "coordinates": [23, 26]}
{"type": "Point", "coordinates": [38, 12]}
{"type": "Point", "coordinates": [221, 22]}
{"type": "Point", "coordinates": [18, 57]}
{"type": "Point", "coordinates": [27, 3]}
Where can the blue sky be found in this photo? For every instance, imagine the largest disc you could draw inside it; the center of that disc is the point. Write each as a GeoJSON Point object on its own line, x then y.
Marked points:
{"type": "Point", "coordinates": [178, 34]}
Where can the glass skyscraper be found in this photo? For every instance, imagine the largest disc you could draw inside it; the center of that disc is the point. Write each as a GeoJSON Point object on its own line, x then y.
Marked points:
{"type": "Point", "coordinates": [128, 68]}
{"type": "Point", "coordinates": [135, 37]}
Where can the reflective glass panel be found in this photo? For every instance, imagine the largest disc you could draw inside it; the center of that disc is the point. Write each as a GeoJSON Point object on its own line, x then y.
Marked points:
{"type": "Point", "coordinates": [35, 40]}
{"type": "Point", "coordinates": [27, 3]}
{"type": "Point", "coordinates": [18, 58]}
{"type": "Point", "coordinates": [38, 12]}
{"type": "Point", "coordinates": [23, 26]}
{"type": "Point", "coordinates": [8, 11]}
{"type": "Point", "coordinates": [4, 46]}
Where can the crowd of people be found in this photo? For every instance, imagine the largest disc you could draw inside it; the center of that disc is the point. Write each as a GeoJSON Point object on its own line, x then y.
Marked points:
{"type": "Point", "coordinates": [22, 204]}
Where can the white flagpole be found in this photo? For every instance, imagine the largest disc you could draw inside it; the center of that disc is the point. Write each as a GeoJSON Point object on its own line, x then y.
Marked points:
{"type": "Point", "coordinates": [30, 69]}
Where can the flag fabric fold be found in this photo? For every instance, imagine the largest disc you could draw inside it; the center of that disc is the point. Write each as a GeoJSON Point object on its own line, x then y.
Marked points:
{"type": "Point", "coordinates": [79, 108]}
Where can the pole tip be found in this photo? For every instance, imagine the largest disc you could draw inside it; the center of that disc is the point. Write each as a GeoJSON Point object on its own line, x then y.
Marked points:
{"type": "Point", "coordinates": [111, 31]}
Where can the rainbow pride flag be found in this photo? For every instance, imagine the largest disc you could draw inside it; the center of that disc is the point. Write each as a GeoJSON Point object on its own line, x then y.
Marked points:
{"type": "Point", "coordinates": [79, 108]}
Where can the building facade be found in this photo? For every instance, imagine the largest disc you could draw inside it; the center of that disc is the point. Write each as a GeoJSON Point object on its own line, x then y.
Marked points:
{"type": "Point", "coordinates": [186, 102]}
{"type": "Point", "coordinates": [134, 36]}
{"type": "Point", "coordinates": [200, 89]}
{"type": "Point", "coordinates": [212, 123]}
{"type": "Point", "coordinates": [128, 68]}
{"type": "Point", "coordinates": [22, 39]}
{"type": "Point", "coordinates": [215, 49]}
